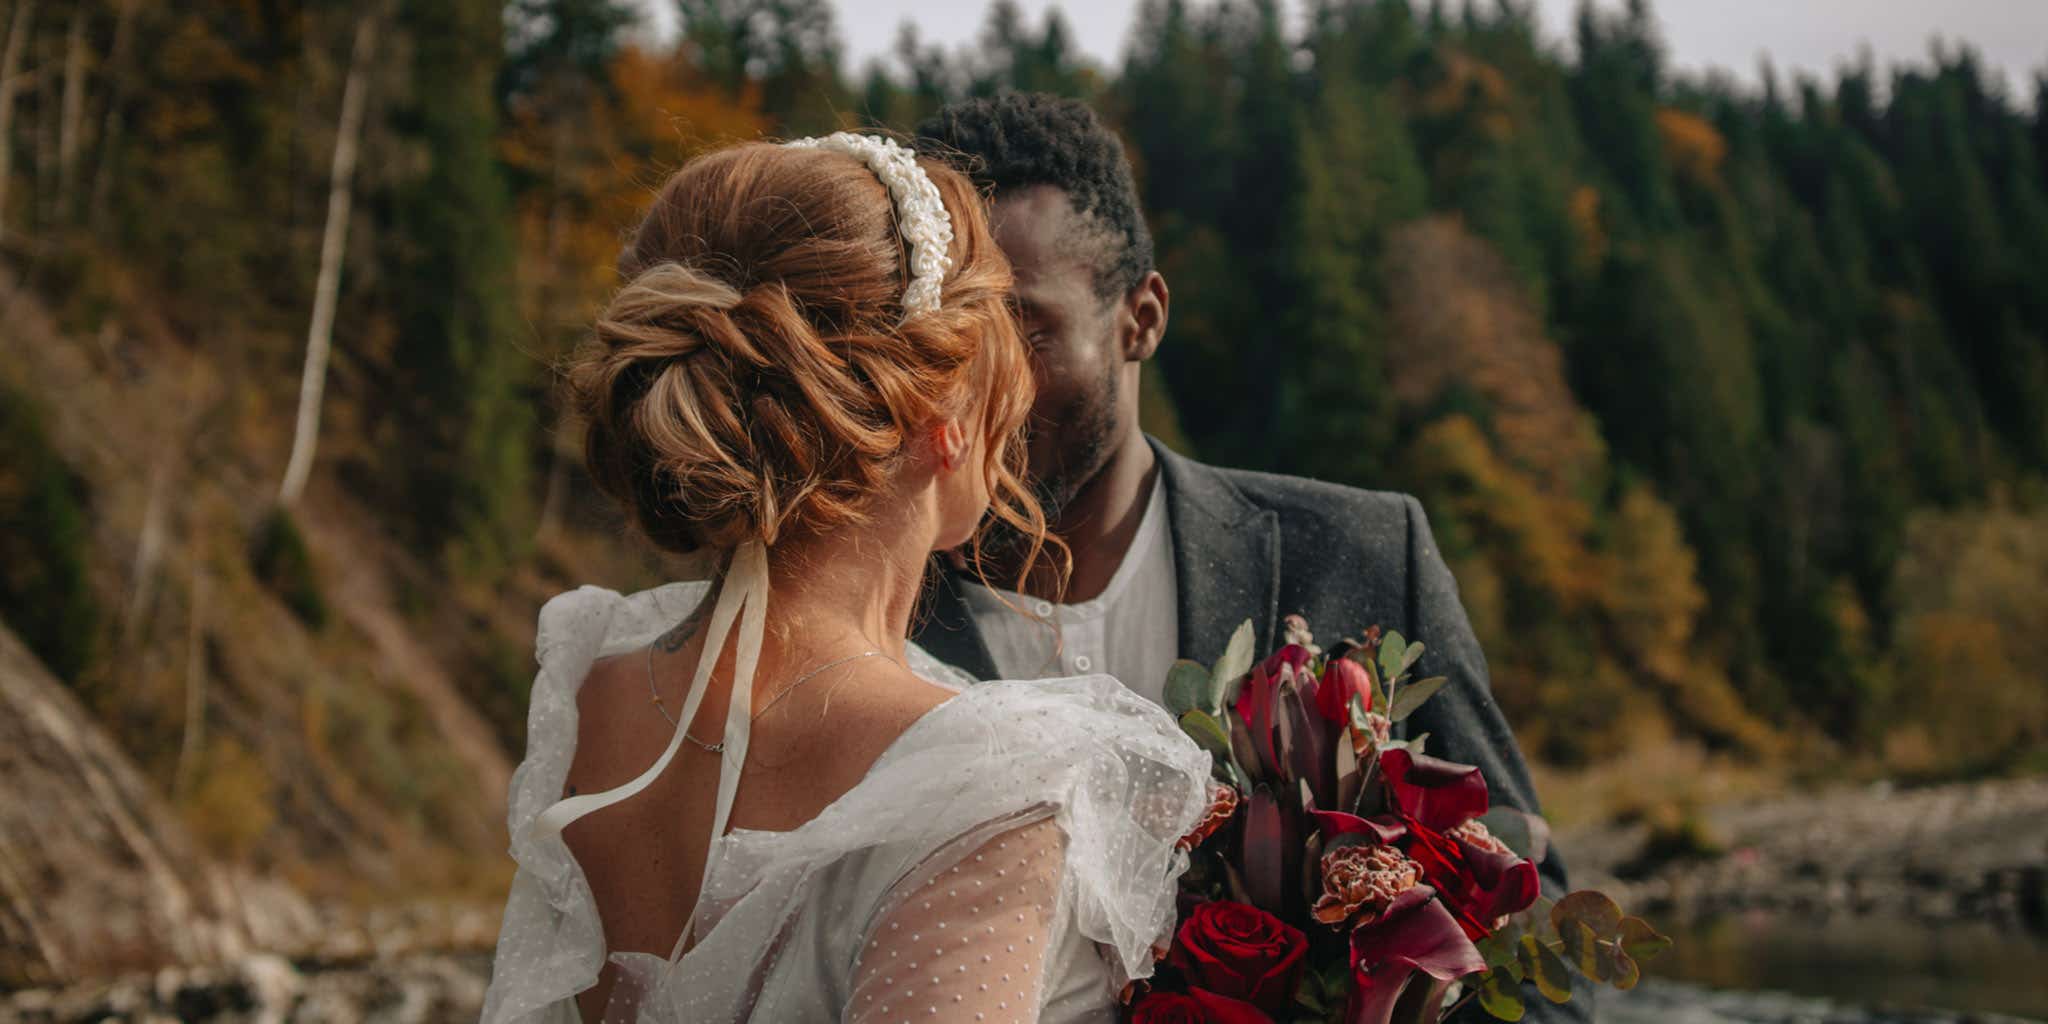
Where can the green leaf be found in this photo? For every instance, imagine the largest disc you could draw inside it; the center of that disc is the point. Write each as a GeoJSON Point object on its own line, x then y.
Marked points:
{"type": "Point", "coordinates": [1236, 661]}
{"type": "Point", "coordinates": [1583, 947]}
{"type": "Point", "coordinates": [1206, 731]}
{"type": "Point", "coordinates": [1392, 649]}
{"type": "Point", "coordinates": [1413, 695]}
{"type": "Point", "coordinates": [1187, 688]}
{"type": "Point", "coordinates": [1593, 909]}
{"type": "Point", "coordinates": [1640, 940]}
{"type": "Point", "coordinates": [1550, 974]}
{"type": "Point", "coordinates": [1620, 969]}
{"type": "Point", "coordinates": [1415, 744]}
{"type": "Point", "coordinates": [1524, 833]}
{"type": "Point", "coordinates": [1498, 950]}
{"type": "Point", "coordinates": [1500, 995]}
{"type": "Point", "coordinates": [1410, 656]}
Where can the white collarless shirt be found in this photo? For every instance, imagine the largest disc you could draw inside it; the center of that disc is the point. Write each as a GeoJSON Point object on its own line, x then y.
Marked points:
{"type": "Point", "coordinates": [1131, 631]}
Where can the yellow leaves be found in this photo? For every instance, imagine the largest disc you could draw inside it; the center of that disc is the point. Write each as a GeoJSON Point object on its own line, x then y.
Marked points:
{"type": "Point", "coordinates": [1694, 148]}
{"type": "Point", "coordinates": [1536, 539]}
{"type": "Point", "coordinates": [1971, 638]}
{"type": "Point", "coordinates": [1465, 86]}
{"type": "Point", "coordinates": [1652, 595]}
{"type": "Point", "coordinates": [594, 152]}
{"type": "Point", "coordinates": [662, 101]}
{"type": "Point", "coordinates": [1587, 226]}
{"type": "Point", "coordinates": [1463, 321]}
{"type": "Point", "coordinates": [230, 806]}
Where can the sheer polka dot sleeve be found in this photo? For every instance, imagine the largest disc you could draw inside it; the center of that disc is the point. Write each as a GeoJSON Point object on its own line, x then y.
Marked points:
{"type": "Point", "coordinates": [968, 943]}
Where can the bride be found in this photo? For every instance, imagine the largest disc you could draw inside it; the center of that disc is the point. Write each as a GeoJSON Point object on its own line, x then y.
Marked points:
{"type": "Point", "coordinates": [750, 799]}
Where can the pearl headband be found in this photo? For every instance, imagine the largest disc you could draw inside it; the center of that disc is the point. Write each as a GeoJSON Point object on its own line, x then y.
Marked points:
{"type": "Point", "coordinates": [920, 214]}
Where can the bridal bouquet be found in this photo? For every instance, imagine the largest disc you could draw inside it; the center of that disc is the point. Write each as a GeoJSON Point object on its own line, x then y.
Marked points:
{"type": "Point", "coordinates": [1345, 876]}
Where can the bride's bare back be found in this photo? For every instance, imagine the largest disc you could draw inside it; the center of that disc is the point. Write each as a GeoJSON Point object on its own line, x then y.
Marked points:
{"type": "Point", "coordinates": [645, 858]}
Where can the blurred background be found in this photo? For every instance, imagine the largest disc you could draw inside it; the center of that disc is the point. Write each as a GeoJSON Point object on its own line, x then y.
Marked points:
{"type": "Point", "coordinates": [1723, 377]}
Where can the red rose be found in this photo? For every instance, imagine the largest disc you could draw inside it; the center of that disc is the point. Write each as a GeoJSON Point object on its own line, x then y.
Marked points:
{"type": "Point", "coordinates": [1240, 951]}
{"type": "Point", "coordinates": [1195, 1007]}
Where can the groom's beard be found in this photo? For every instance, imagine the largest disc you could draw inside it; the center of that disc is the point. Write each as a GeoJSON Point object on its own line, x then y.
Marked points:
{"type": "Point", "coordinates": [1083, 440]}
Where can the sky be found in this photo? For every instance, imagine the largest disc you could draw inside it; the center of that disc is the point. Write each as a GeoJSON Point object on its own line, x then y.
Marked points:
{"type": "Point", "coordinates": [1810, 35]}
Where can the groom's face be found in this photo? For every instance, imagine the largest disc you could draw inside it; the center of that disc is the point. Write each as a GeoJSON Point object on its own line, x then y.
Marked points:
{"type": "Point", "coordinates": [1077, 356]}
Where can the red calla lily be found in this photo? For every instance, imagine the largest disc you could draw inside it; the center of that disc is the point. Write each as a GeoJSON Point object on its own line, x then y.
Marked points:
{"type": "Point", "coordinates": [1381, 829]}
{"type": "Point", "coordinates": [1415, 934]}
{"type": "Point", "coordinates": [1478, 886]}
{"type": "Point", "coordinates": [1440, 794]}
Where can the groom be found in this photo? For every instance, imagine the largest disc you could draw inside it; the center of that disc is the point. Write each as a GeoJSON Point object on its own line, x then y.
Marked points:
{"type": "Point", "coordinates": [1169, 554]}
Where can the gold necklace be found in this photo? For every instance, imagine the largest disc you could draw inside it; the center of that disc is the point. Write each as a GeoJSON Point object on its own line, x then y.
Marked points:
{"type": "Point", "coordinates": [654, 695]}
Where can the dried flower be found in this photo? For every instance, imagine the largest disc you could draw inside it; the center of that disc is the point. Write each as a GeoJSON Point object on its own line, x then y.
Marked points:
{"type": "Point", "coordinates": [1222, 804]}
{"type": "Point", "coordinates": [1363, 880]}
{"type": "Point", "coordinates": [1476, 833]}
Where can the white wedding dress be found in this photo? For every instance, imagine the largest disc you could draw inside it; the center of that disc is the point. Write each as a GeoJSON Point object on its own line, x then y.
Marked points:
{"type": "Point", "coordinates": [1011, 856]}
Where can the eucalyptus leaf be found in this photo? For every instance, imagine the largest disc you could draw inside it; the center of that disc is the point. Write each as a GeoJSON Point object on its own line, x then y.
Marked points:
{"type": "Point", "coordinates": [1410, 656]}
{"type": "Point", "coordinates": [1524, 833]}
{"type": "Point", "coordinates": [1550, 974]}
{"type": "Point", "coordinates": [1640, 940]}
{"type": "Point", "coordinates": [1392, 649]}
{"type": "Point", "coordinates": [1236, 661]}
{"type": "Point", "coordinates": [1501, 995]}
{"type": "Point", "coordinates": [1600, 914]}
{"type": "Point", "coordinates": [1412, 695]}
{"type": "Point", "coordinates": [1498, 950]}
{"type": "Point", "coordinates": [1583, 947]}
{"type": "Point", "coordinates": [1187, 688]}
{"type": "Point", "coordinates": [1206, 731]}
{"type": "Point", "coordinates": [1621, 969]}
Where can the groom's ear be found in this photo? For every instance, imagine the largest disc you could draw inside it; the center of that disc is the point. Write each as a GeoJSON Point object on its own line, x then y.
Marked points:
{"type": "Point", "coordinates": [1145, 317]}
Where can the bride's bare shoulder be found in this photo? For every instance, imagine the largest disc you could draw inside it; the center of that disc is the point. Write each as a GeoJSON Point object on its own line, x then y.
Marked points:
{"type": "Point", "coordinates": [849, 720]}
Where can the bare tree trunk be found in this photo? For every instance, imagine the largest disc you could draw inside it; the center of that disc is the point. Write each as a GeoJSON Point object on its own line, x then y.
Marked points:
{"type": "Point", "coordinates": [10, 80]}
{"type": "Point", "coordinates": [556, 496]}
{"type": "Point", "coordinates": [194, 743]}
{"type": "Point", "coordinates": [117, 99]}
{"type": "Point", "coordinates": [48, 89]}
{"type": "Point", "coordinates": [73, 115]}
{"type": "Point", "coordinates": [328, 285]}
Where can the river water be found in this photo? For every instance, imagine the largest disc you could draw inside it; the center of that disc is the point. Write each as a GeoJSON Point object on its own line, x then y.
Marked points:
{"type": "Point", "coordinates": [1846, 968]}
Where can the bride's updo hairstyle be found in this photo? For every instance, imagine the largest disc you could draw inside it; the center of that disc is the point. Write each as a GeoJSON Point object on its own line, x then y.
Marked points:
{"type": "Point", "coordinates": [756, 379]}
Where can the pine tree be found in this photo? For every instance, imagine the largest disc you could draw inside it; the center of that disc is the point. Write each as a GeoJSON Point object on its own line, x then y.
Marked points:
{"type": "Point", "coordinates": [459, 431]}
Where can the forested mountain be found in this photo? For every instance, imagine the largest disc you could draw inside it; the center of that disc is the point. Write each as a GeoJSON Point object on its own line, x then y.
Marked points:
{"type": "Point", "coordinates": [1729, 404]}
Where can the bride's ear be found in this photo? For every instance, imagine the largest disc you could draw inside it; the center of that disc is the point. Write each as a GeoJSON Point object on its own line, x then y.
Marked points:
{"type": "Point", "coordinates": [948, 440]}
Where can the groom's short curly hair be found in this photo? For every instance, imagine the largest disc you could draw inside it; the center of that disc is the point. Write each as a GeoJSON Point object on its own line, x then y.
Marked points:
{"type": "Point", "coordinates": [1019, 139]}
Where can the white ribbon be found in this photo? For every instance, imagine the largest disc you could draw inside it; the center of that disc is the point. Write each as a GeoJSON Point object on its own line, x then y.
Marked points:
{"type": "Point", "coordinates": [744, 596]}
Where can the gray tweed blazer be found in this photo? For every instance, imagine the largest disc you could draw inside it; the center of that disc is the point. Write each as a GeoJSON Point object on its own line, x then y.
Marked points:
{"type": "Point", "coordinates": [1259, 546]}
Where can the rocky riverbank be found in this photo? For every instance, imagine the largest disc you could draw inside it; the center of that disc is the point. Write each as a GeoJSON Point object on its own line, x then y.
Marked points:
{"type": "Point", "coordinates": [1975, 852]}
{"type": "Point", "coordinates": [1657, 1001]}
{"type": "Point", "coordinates": [263, 989]}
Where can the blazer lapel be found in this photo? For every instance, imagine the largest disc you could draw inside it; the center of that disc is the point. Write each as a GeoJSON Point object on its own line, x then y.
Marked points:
{"type": "Point", "coordinates": [947, 631]}
{"type": "Point", "coordinates": [1226, 554]}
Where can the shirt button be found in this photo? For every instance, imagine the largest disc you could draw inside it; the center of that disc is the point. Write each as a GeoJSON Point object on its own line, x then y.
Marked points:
{"type": "Point", "coordinates": [1082, 664]}
{"type": "Point", "coordinates": [1043, 608]}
